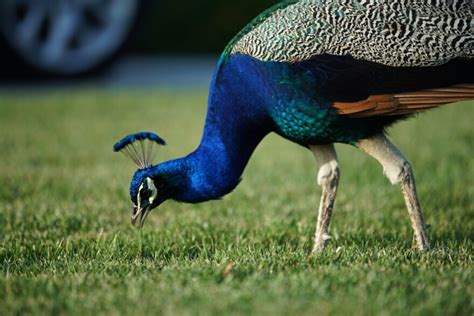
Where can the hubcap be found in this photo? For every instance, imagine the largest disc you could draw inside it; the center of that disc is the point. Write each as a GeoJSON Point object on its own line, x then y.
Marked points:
{"type": "Point", "coordinates": [66, 36]}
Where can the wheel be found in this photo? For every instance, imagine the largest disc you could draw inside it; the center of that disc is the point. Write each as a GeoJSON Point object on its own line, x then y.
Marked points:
{"type": "Point", "coordinates": [67, 37]}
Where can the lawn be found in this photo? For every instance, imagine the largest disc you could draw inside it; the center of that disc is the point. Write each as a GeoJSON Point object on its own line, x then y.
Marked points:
{"type": "Point", "coordinates": [67, 247]}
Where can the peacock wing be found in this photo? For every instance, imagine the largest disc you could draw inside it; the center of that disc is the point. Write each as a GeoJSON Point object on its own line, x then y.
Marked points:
{"type": "Point", "coordinates": [405, 103]}
{"type": "Point", "coordinates": [399, 33]}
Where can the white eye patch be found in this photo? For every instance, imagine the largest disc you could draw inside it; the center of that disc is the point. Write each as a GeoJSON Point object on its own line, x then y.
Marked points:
{"type": "Point", "coordinates": [139, 198]}
{"type": "Point", "coordinates": [154, 192]}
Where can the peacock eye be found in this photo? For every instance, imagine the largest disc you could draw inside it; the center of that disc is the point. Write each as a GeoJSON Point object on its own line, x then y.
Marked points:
{"type": "Point", "coordinates": [145, 194]}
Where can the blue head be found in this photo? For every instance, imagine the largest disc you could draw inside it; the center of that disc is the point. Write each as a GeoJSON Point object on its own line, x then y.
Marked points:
{"type": "Point", "coordinates": [150, 185]}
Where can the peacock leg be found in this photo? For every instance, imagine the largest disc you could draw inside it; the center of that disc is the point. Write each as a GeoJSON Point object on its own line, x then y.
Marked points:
{"type": "Point", "coordinates": [398, 170]}
{"type": "Point", "coordinates": [328, 179]}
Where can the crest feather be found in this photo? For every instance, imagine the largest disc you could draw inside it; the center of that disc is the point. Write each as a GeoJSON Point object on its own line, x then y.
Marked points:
{"type": "Point", "coordinates": [140, 147]}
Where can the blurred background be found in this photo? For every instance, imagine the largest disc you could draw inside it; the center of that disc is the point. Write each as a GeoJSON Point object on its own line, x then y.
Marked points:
{"type": "Point", "coordinates": [124, 41]}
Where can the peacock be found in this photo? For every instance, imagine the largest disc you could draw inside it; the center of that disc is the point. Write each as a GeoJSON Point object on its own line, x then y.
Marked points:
{"type": "Point", "coordinates": [318, 72]}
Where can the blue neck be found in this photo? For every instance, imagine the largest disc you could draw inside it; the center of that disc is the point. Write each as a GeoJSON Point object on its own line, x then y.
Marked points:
{"type": "Point", "coordinates": [236, 123]}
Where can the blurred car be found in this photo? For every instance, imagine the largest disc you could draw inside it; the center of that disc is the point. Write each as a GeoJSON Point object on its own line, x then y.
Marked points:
{"type": "Point", "coordinates": [64, 37]}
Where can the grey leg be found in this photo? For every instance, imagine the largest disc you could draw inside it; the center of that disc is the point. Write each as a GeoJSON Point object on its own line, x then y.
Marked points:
{"type": "Point", "coordinates": [398, 170]}
{"type": "Point", "coordinates": [328, 179]}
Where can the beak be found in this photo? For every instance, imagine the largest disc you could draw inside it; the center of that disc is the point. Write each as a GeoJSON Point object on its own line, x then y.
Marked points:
{"type": "Point", "coordinates": [139, 215]}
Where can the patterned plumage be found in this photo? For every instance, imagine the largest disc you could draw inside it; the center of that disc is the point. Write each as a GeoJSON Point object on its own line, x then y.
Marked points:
{"type": "Point", "coordinates": [394, 33]}
{"type": "Point", "coordinates": [317, 73]}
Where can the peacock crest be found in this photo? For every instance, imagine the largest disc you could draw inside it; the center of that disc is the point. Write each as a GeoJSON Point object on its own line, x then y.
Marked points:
{"type": "Point", "coordinates": [140, 147]}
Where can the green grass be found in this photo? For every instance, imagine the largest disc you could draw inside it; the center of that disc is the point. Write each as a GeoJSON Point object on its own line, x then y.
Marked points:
{"type": "Point", "coordinates": [66, 245]}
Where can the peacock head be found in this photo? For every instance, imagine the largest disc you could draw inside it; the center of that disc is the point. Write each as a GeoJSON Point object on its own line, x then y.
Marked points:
{"type": "Point", "coordinates": [150, 185]}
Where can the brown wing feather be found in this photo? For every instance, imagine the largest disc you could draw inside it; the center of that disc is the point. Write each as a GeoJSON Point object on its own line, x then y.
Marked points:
{"type": "Point", "coordinates": [405, 103]}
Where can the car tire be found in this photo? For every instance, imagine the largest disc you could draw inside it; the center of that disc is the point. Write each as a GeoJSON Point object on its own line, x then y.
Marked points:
{"type": "Point", "coordinates": [58, 38]}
